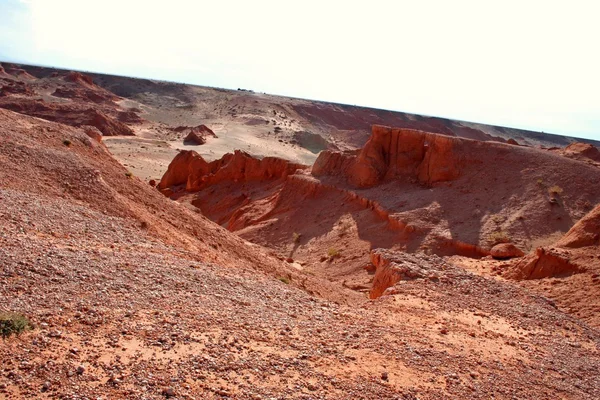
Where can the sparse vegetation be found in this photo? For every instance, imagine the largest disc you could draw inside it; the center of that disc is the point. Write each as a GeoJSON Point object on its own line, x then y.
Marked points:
{"type": "Point", "coordinates": [296, 237]}
{"type": "Point", "coordinates": [332, 252]}
{"type": "Point", "coordinates": [284, 280]}
{"type": "Point", "coordinates": [540, 182]}
{"type": "Point", "coordinates": [499, 237]}
{"type": "Point", "coordinates": [67, 142]}
{"type": "Point", "coordinates": [129, 174]}
{"type": "Point", "coordinates": [13, 324]}
{"type": "Point", "coordinates": [555, 190]}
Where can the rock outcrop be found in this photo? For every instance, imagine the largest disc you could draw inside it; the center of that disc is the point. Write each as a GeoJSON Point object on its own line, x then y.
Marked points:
{"type": "Point", "coordinates": [197, 135]}
{"type": "Point", "coordinates": [15, 87]}
{"type": "Point", "coordinates": [93, 132]}
{"type": "Point", "coordinates": [392, 267]}
{"type": "Point", "coordinates": [395, 152]}
{"type": "Point", "coordinates": [582, 151]}
{"type": "Point", "coordinates": [19, 73]}
{"type": "Point", "coordinates": [189, 168]}
{"type": "Point", "coordinates": [546, 262]}
{"type": "Point", "coordinates": [562, 258]}
{"type": "Point", "coordinates": [68, 114]}
{"type": "Point", "coordinates": [129, 116]}
{"type": "Point", "coordinates": [586, 232]}
{"type": "Point", "coordinates": [97, 96]}
{"type": "Point", "coordinates": [78, 77]}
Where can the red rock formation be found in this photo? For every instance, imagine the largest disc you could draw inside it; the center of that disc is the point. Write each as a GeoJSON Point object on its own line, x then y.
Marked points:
{"type": "Point", "coordinates": [69, 114]}
{"type": "Point", "coordinates": [197, 135]}
{"type": "Point", "coordinates": [130, 116]}
{"type": "Point", "coordinates": [586, 232]}
{"type": "Point", "coordinates": [190, 168]}
{"type": "Point", "coordinates": [78, 77]}
{"type": "Point", "coordinates": [19, 73]}
{"type": "Point", "coordinates": [582, 151]}
{"type": "Point", "coordinates": [506, 250]}
{"type": "Point", "coordinates": [392, 267]}
{"type": "Point", "coordinates": [180, 169]}
{"type": "Point", "coordinates": [395, 152]}
{"type": "Point", "coordinates": [96, 95]}
{"type": "Point", "coordinates": [16, 87]}
{"type": "Point", "coordinates": [544, 263]}
{"type": "Point", "coordinates": [93, 133]}
{"type": "Point", "coordinates": [107, 125]}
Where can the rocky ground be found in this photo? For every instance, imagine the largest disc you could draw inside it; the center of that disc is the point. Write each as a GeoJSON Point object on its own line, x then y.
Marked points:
{"type": "Point", "coordinates": [122, 315]}
{"type": "Point", "coordinates": [134, 295]}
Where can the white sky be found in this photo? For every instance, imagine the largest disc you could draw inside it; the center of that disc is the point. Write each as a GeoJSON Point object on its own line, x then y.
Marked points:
{"type": "Point", "coordinates": [526, 64]}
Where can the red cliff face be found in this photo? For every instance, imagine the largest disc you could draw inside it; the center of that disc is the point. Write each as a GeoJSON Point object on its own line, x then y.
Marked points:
{"type": "Point", "coordinates": [395, 152]}
{"type": "Point", "coordinates": [190, 168]}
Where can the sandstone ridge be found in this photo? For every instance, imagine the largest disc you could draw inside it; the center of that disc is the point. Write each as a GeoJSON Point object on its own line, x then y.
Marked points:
{"type": "Point", "coordinates": [395, 152]}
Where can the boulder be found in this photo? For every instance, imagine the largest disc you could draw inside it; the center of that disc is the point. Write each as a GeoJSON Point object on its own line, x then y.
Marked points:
{"type": "Point", "coordinates": [504, 251]}
{"type": "Point", "coordinates": [197, 135]}
{"type": "Point", "coordinates": [194, 138]}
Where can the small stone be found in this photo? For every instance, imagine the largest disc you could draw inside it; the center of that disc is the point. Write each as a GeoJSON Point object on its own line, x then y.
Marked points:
{"type": "Point", "coordinates": [168, 392]}
{"type": "Point", "coordinates": [46, 386]}
{"type": "Point", "coordinates": [80, 370]}
{"type": "Point", "coordinates": [384, 376]}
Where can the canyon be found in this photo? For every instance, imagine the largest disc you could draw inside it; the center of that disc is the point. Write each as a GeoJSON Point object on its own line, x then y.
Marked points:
{"type": "Point", "coordinates": [175, 241]}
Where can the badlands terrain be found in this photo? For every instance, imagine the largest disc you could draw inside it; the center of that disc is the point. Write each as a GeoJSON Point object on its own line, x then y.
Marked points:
{"type": "Point", "coordinates": [175, 241]}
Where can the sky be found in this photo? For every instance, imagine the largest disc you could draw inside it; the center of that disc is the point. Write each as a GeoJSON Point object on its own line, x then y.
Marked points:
{"type": "Point", "coordinates": [525, 64]}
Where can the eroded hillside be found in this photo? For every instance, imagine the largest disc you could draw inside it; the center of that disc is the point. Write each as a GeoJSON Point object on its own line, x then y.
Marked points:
{"type": "Point", "coordinates": [392, 267]}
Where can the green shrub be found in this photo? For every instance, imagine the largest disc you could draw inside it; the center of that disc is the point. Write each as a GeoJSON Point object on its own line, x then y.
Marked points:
{"type": "Point", "coordinates": [284, 280]}
{"type": "Point", "coordinates": [13, 324]}
{"type": "Point", "coordinates": [67, 142]}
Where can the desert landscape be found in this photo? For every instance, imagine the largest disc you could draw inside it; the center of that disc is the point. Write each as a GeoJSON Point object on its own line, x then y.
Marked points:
{"type": "Point", "coordinates": [163, 240]}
